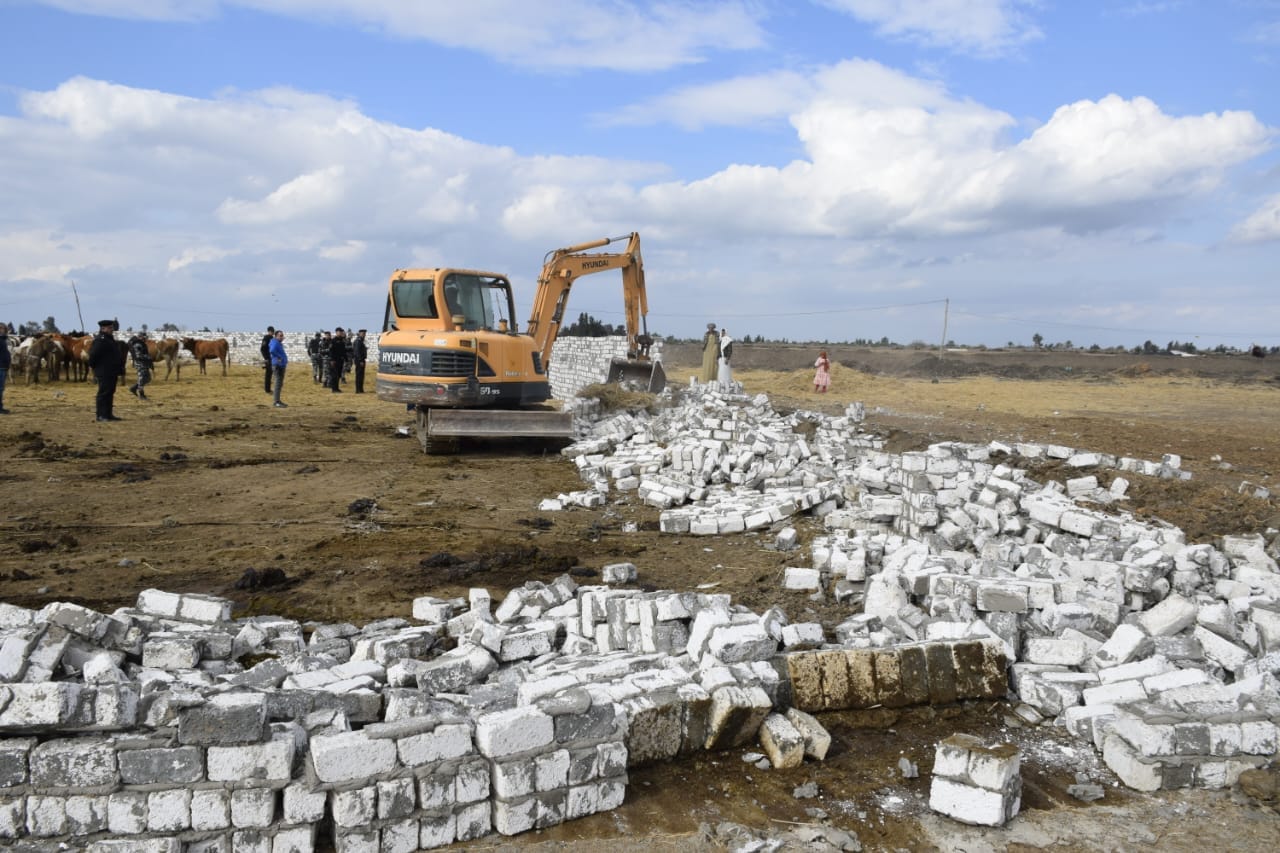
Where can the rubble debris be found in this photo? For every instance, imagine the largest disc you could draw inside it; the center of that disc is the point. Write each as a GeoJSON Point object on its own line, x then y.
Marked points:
{"type": "Point", "coordinates": [975, 783]}
{"type": "Point", "coordinates": [1163, 656]}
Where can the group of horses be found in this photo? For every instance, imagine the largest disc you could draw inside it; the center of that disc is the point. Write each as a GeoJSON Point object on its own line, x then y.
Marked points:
{"type": "Point", "coordinates": [55, 356]}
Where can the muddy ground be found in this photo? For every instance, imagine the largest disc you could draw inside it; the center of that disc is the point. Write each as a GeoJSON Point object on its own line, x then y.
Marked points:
{"type": "Point", "coordinates": [340, 517]}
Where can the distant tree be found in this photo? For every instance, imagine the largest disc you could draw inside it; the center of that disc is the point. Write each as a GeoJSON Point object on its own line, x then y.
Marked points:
{"type": "Point", "coordinates": [884, 341]}
{"type": "Point", "coordinates": [587, 326]}
{"type": "Point", "coordinates": [1037, 339]}
{"type": "Point", "coordinates": [1149, 348]}
{"type": "Point", "coordinates": [29, 328]}
{"type": "Point", "coordinates": [50, 326]}
{"type": "Point", "coordinates": [169, 327]}
{"type": "Point", "coordinates": [1094, 348]}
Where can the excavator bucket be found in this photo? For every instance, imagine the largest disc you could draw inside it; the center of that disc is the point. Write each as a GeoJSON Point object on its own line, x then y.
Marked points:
{"type": "Point", "coordinates": [637, 375]}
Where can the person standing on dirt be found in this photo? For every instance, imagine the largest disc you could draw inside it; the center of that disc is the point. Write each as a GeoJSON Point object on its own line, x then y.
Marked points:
{"type": "Point", "coordinates": [6, 359]}
{"type": "Point", "coordinates": [326, 343]}
{"type": "Point", "coordinates": [141, 363]}
{"type": "Point", "coordinates": [265, 349]}
{"type": "Point", "coordinates": [710, 354]}
{"type": "Point", "coordinates": [337, 359]}
{"type": "Point", "coordinates": [313, 352]}
{"type": "Point", "coordinates": [279, 360]}
{"type": "Point", "coordinates": [108, 366]}
{"type": "Point", "coordinates": [822, 376]}
{"type": "Point", "coordinates": [724, 373]}
{"type": "Point", "coordinates": [359, 355]}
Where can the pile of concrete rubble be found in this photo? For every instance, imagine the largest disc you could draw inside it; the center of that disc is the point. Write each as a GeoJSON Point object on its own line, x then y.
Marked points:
{"type": "Point", "coordinates": [1164, 655]}
{"type": "Point", "coordinates": [172, 726]}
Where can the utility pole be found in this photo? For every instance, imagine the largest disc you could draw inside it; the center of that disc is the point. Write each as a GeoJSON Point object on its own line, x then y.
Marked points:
{"type": "Point", "coordinates": [78, 314]}
{"type": "Point", "coordinates": [946, 310]}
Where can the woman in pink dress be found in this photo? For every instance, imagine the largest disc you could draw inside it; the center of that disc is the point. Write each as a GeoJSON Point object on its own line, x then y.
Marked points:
{"type": "Point", "coordinates": [822, 379]}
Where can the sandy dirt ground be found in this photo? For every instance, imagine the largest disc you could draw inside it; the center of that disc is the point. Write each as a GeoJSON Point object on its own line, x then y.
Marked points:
{"type": "Point", "coordinates": [342, 518]}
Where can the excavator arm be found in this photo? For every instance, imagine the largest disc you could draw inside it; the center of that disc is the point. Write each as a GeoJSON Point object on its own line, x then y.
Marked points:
{"type": "Point", "coordinates": [562, 267]}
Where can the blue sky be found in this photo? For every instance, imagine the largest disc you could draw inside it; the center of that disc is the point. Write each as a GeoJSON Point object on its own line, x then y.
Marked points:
{"type": "Point", "coordinates": [1095, 172]}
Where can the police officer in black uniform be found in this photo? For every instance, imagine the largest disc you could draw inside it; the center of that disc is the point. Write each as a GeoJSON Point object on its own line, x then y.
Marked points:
{"type": "Point", "coordinates": [359, 355]}
{"type": "Point", "coordinates": [107, 365]}
{"type": "Point", "coordinates": [337, 359]}
{"type": "Point", "coordinates": [265, 349]}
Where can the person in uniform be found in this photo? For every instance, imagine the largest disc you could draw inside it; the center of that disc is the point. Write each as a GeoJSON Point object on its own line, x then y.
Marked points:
{"type": "Point", "coordinates": [710, 354]}
{"type": "Point", "coordinates": [359, 355]}
{"type": "Point", "coordinates": [337, 359]}
{"type": "Point", "coordinates": [108, 366]}
{"type": "Point", "coordinates": [326, 343]}
{"type": "Point", "coordinates": [313, 352]}
{"type": "Point", "coordinates": [141, 363]}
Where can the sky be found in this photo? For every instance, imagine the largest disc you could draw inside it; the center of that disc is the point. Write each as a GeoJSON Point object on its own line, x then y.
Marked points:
{"type": "Point", "coordinates": [976, 171]}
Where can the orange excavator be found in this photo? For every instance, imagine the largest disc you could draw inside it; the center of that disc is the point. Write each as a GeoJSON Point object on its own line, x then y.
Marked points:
{"type": "Point", "coordinates": [450, 348]}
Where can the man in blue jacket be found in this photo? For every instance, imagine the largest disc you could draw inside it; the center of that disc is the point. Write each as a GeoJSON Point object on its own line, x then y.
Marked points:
{"type": "Point", "coordinates": [279, 360]}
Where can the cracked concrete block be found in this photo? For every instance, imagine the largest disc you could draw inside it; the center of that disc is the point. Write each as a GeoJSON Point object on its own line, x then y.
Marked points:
{"type": "Point", "coordinates": [517, 730]}
{"type": "Point", "coordinates": [654, 727]}
{"type": "Point", "coordinates": [442, 743]}
{"type": "Point", "coordinates": [1126, 643]}
{"type": "Point", "coordinates": [1225, 653]}
{"type": "Point", "coordinates": [782, 742]}
{"type": "Point", "coordinates": [253, 808]}
{"type": "Point", "coordinates": [1135, 771]}
{"type": "Point", "coordinates": [888, 678]}
{"type": "Point", "coordinates": [169, 810]}
{"type": "Point", "coordinates": [74, 763]}
{"type": "Point", "coordinates": [805, 673]}
{"type": "Point", "coordinates": [127, 812]}
{"type": "Point", "coordinates": [736, 715]}
{"type": "Point", "coordinates": [346, 757]}
{"type": "Point", "coordinates": [817, 741]}
{"type": "Point", "coordinates": [269, 763]}
{"type": "Point", "coordinates": [226, 718]}
{"type": "Point", "coordinates": [740, 643]}
{"type": "Point", "coordinates": [1168, 617]}
{"type": "Point", "coordinates": [177, 766]}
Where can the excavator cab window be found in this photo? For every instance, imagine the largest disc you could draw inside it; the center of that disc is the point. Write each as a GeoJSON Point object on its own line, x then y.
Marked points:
{"type": "Point", "coordinates": [482, 302]}
{"type": "Point", "coordinates": [415, 298]}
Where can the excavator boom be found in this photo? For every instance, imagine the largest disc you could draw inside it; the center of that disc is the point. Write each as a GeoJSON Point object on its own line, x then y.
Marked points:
{"type": "Point", "coordinates": [561, 268]}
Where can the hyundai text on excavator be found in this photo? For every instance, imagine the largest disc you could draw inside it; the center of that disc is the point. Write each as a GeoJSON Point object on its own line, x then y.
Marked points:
{"type": "Point", "coordinates": [451, 351]}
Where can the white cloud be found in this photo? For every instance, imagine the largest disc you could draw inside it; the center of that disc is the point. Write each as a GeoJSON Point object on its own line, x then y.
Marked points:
{"type": "Point", "coordinates": [315, 194]}
{"type": "Point", "coordinates": [197, 255]}
{"type": "Point", "coordinates": [222, 201]}
{"type": "Point", "coordinates": [1261, 226]}
{"type": "Point", "coordinates": [737, 102]}
{"type": "Point", "coordinates": [981, 27]}
{"type": "Point", "coordinates": [892, 154]}
{"type": "Point", "coordinates": [549, 34]}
